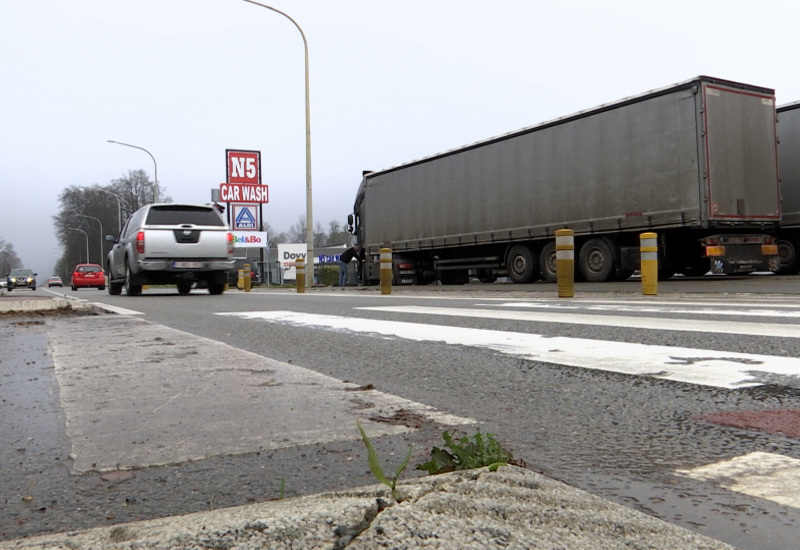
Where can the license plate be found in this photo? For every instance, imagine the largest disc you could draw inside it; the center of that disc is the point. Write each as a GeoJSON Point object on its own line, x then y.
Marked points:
{"type": "Point", "coordinates": [188, 265]}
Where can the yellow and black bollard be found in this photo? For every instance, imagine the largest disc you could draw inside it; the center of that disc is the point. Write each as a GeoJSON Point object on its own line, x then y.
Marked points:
{"type": "Point", "coordinates": [240, 280]}
{"type": "Point", "coordinates": [248, 277]}
{"type": "Point", "coordinates": [386, 270]}
{"type": "Point", "coordinates": [300, 270]}
{"type": "Point", "coordinates": [565, 262]}
{"type": "Point", "coordinates": [649, 263]}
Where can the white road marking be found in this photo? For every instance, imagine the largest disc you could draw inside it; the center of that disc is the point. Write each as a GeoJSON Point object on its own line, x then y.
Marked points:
{"type": "Point", "coordinates": [115, 309]}
{"type": "Point", "coordinates": [681, 309]}
{"type": "Point", "coordinates": [661, 323]}
{"type": "Point", "coordinates": [166, 396]}
{"type": "Point", "coordinates": [765, 475]}
{"type": "Point", "coordinates": [695, 366]}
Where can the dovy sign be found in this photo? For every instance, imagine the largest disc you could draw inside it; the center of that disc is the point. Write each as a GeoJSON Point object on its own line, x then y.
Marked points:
{"type": "Point", "coordinates": [288, 253]}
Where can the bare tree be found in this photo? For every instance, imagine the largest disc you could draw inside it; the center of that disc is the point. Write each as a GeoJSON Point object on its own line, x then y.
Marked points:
{"type": "Point", "coordinates": [95, 211]}
{"type": "Point", "coordinates": [297, 232]}
{"type": "Point", "coordinates": [8, 258]}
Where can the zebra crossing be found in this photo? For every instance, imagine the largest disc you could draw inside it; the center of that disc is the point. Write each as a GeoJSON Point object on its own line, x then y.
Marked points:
{"type": "Point", "coordinates": [723, 369]}
{"type": "Point", "coordinates": [764, 475]}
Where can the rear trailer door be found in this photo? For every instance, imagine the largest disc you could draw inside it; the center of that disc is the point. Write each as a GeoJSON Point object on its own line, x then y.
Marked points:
{"type": "Point", "coordinates": [741, 169]}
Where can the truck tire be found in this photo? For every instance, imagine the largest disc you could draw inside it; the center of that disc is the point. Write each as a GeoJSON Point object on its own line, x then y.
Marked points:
{"type": "Point", "coordinates": [184, 287]}
{"type": "Point", "coordinates": [521, 264]}
{"type": "Point", "coordinates": [788, 254]}
{"type": "Point", "coordinates": [665, 273]}
{"type": "Point", "coordinates": [697, 269]}
{"type": "Point", "coordinates": [114, 289]}
{"type": "Point", "coordinates": [547, 263]}
{"type": "Point", "coordinates": [485, 275]}
{"type": "Point", "coordinates": [130, 288]}
{"type": "Point", "coordinates": [596, 260]}
{"type": "Point", "coordinates": [215, 288]}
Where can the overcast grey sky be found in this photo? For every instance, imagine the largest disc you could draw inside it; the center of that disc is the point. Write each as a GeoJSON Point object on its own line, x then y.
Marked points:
{"type": "Point", "coordinates": [391, 81]}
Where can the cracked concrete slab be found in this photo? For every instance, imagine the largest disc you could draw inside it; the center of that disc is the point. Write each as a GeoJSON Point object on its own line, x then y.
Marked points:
{"type": "Point", "coordinates": [510, 508]}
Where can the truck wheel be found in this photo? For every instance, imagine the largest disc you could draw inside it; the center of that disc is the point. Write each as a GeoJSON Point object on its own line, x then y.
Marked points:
{"type": "Point", "coordinates": [130, 288]}
{"type": "Point", "coordinates": [547, 263]}
{"type": "Point", "coordinates": [114, 289]}
{"type": "Point", "coordinates": [788, 255]}
{"type": "Point", "coordinates": [596, 260]}
{"type": "Point", "coordinates": [698, 269]}
{"type": "Point", "coordinates": [184, 287]}
{"type": "Point", "coordinates": [485, 275]}
{"type": "Point", "coordinates": [215, 288]}
{"type": "Point", "coordinates": [521, 264]}
{"type": "Point", "coordinates": [665, 273]}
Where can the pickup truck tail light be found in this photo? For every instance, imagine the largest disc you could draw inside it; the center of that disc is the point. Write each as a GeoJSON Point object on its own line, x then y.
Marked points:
{"type": "Point", "coordinates": [140, 242]}
{"type": "Point", "coordinates": [230, 243]}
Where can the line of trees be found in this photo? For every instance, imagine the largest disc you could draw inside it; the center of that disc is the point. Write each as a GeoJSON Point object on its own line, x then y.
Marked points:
{"type": "Point", "coordinates": [87, 214]}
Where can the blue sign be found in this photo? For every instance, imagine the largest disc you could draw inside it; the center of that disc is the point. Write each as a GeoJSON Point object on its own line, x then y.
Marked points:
{"type": "Point", "coordinates": [328, 258]}
{"type": "Point", "coordinates": [245, 219]}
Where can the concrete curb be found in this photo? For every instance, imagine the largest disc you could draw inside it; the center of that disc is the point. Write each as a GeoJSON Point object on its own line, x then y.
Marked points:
{"type": "Point", "coordinates": [13, 304]}
{"type": "Point", "coordinates": [510, 508]}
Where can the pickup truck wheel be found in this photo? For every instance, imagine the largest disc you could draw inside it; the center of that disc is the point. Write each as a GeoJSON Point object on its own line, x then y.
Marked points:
{"type": "Point", "coordinates": [521, 264]}
{"type": "Point", "coordinates": [130, 288]}
{"type": "Point", "coordinates": [215, 288]}
{"type": "Point", "coordinates": [596, 260]}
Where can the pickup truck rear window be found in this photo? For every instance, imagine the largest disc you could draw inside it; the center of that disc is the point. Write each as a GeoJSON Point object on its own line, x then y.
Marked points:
{"type": "Point", "coordinates": [179, 215]}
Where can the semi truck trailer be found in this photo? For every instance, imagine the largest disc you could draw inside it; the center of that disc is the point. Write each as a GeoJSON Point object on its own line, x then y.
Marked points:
{"type": "Point", "coordinates": [788, 238]}
{"type": "Point", "coordinates": [695, 162]}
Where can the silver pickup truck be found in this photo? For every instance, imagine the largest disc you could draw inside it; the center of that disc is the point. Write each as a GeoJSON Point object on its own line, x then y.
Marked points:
{"type": "Point", "coordinates": [168, 243]}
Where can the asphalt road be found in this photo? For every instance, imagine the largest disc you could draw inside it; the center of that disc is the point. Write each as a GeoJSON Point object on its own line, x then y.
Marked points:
{"type": "Point", "coordinates": [624, 436]}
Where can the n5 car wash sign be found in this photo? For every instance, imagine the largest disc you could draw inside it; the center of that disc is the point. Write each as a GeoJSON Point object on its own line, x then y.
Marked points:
{"type": "Point", "coordinates": [243, 182]}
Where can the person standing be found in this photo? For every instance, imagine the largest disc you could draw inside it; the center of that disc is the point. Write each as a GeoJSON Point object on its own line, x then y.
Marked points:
{"type": "Point", "coordinates": [344, 263]}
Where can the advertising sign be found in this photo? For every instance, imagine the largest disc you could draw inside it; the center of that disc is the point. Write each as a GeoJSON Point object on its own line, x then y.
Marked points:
{"type": "Point", "coordinates": [234, 192]}
{"type": "Point", "coordinates": [244, 166]}
{"type": "Point", "coordinates": [244, 217]}
{"type": "Point", "coordinates": [249, 239]}
{"type": "Point", "coordinates": [287, 255]}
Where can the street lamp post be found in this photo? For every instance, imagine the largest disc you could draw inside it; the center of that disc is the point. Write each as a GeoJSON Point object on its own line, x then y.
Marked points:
{"type": "Point", "coordinates": [309, 209]}
{"type": "Point", "coordinates": [87, 240]}
{"type": "Point", "coordinates": [155, 166]}
{"type": "Point", "coordinates": [101, 235]}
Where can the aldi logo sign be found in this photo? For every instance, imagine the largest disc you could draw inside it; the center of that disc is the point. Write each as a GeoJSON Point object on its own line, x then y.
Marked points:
{"type": "Point", "coordinates": [244, 217]}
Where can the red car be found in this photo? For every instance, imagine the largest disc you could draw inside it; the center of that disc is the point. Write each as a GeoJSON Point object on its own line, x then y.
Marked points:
{"type": "Point", "coordinates": [88, 276]}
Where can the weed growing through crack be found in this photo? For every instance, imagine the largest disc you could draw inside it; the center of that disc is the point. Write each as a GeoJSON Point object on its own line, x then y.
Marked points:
{"type": "Point", "coordinates": [477, 451]}
{"type": "Point", "coordinates": [375, 466]}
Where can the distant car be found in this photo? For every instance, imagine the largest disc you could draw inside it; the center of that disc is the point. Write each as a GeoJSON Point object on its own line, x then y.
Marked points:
{"type": "Point", "coordinates": [55, 281]}
{"type": "Point", "coordinates": [21, 278]}
{"type": "Point", "coordinates": [88, 276]}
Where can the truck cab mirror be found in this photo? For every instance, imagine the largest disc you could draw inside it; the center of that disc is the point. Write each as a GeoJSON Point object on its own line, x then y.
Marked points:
{"type": "Point", "coordinates": [349, 220]}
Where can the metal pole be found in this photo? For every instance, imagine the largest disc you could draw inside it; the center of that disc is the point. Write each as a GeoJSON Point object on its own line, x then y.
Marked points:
{"type": "Point", "coordinates": [309, 208]}
{"type": "Point", "coordinates": [87, 240]}
{"type": "Point", "coordinates": [101, 235]}
{"type": "Point", "coordinates": [155, 166]}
